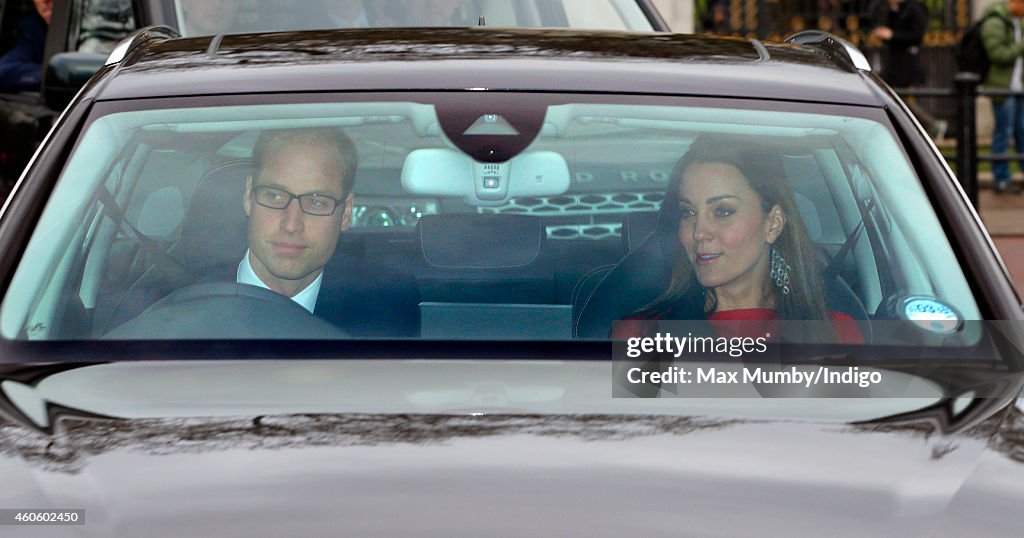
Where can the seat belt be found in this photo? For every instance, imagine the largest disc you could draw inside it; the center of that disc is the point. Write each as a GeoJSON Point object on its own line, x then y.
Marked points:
{"type": "Point", "coordinates": [175, 273]}
{"type": "Point", "coordinates": [837, 261]}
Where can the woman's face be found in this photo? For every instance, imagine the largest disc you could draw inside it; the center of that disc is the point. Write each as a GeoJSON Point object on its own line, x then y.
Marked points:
{"type": "Point", "coordinates": [725, 231]}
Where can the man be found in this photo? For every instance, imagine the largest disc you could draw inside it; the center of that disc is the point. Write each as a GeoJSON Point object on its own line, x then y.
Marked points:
{"type": "Point", "coordinates": [298, 202]}
{"type": "Point", "coordinates": [1001, 36]}
{"type": "Point", "coordinates": [21, 67]}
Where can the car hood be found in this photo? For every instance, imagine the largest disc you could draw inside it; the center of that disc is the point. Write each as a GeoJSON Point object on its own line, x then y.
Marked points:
{"type": "Point", "coordinates": [485, 448]}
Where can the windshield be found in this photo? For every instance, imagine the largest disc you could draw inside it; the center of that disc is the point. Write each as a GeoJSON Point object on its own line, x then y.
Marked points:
{"type": "Point", "coordinates": [203, 17]}
{"type": "Point", "coordinates": [478, 216]}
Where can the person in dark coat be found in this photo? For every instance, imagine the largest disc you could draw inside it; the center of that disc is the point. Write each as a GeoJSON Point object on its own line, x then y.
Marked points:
{"type": "Point", "coordinates": [901, 25]}
{"type": "Point", "coordinates": [21, 66]}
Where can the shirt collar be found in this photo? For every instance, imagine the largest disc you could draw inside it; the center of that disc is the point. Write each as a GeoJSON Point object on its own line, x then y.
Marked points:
{"type": "Point", "coordinates": [305, 298]}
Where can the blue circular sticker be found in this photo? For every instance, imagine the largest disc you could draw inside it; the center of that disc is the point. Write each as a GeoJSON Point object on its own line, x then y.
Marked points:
{"type": "Point", "coordinates": [931, 315]}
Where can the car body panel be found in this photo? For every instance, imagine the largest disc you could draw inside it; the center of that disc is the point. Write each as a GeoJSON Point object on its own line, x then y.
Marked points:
{"type": "Point", "coordinates": [508, 443]}
{"type": "Point", "coordinates": [486, 59]}
{"type": "Point", "coordinates": [405, 454]}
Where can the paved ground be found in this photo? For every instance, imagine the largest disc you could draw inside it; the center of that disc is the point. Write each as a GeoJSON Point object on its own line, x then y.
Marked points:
{"type": "Point", "coordinates": [1003, 215]}
{"type": "Point", "coordinates": [1004, 218]}
{"type": "Point", "coordinates": [1012, 251]}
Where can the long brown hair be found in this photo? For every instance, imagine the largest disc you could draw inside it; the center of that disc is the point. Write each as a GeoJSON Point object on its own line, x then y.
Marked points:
{"type": "Point", "coordinates": [764, 172]}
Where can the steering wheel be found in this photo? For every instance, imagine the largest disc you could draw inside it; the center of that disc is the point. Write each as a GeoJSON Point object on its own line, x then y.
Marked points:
{"type": "Point", "coordinates": [225, 310]}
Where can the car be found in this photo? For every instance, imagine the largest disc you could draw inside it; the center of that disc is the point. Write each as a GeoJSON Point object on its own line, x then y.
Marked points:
{"type": "Point", "coordinates": [83, 32]}
{"type": "Point", "coordinates": [521, 198]}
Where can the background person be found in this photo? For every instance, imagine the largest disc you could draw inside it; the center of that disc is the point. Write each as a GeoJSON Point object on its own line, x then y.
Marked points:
{"type": "Point", "coordinates": [716, 20]}
{"type": "Point", "coordinates": [1001, 36]}
{"type": "Point", "coordinates": [746, 254]}
{"type": "Point", "coordinates": [901, 25]}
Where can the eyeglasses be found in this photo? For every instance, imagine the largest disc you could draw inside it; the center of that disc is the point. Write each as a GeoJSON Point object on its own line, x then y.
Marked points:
{"type": "Point", "coordinates": [318, 205]}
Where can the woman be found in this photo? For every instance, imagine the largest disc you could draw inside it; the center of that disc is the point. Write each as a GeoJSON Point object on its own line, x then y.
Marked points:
{"type": "Point", "coordinates": [746, 255]}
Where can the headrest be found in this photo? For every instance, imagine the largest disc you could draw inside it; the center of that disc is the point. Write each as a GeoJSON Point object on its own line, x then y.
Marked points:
{"type": "Point", "coordinates": [666, 231]}
{"type": "Point", "coordinates": [642, 275]}
{"type": "Point", "coordinates": [214, 230]}
{"type": "Point", "coordinates": [634, 283]}
{"type": "Point", "coordinates": [809, 214]}
{"type": "Point", "coordinates": [636, 227]}
{"type": "Point", "coordinates": [475, 241]}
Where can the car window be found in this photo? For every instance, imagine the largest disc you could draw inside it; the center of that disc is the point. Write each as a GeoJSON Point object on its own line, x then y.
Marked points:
{"type": "Point", "coordinates": [474, 217]}
{"type": "Point", "coordinates": [200, 17]}
{"type": "Point", "coordinates": [98, 25]}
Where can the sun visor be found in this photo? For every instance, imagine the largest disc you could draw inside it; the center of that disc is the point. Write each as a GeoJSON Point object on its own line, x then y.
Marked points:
{"type": "Point", "coordinates": [447, 172]}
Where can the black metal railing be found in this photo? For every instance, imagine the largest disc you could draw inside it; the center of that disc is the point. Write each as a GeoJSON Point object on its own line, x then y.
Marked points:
{"type": "Point", "coordinates": [965, 92]}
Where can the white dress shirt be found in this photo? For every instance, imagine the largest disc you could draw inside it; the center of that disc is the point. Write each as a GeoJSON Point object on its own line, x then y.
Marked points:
{"type": "Point", "coordinates": [306, 298]}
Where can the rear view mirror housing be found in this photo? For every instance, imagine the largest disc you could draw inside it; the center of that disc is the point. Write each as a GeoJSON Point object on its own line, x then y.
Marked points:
{"type": "Point", "coordinates": [447, 172]}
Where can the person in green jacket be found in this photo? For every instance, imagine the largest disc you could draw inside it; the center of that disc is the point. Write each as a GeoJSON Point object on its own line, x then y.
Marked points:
{"type": "Point", "coordinates": [1001, 36]}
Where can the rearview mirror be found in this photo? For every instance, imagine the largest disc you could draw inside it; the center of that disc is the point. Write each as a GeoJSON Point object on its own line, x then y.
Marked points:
{"type": "Point", "coordinates": [447, 172]}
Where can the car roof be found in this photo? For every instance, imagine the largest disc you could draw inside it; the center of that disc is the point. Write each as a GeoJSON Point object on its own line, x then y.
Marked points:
{"type": "Point", "coordinates": [488, 58]}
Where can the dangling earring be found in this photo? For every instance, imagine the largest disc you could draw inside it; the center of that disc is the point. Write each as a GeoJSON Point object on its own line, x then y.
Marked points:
{"type": "Point", "coordinates": [779, 271]}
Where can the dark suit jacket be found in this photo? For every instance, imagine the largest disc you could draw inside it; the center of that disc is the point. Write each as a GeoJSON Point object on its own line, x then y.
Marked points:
{"type": "Point", "coordinates": [369, 300]}
{"type": "Point", "coordinates": [21, 67]}
{"type": "Point", "coordinates": [902, 62]}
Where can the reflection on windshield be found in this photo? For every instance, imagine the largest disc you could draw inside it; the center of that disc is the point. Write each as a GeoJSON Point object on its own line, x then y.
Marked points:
{"type": "Point", "coordinates": [203, 17]}
{"type": "Point", "coordinates": [82, 439]}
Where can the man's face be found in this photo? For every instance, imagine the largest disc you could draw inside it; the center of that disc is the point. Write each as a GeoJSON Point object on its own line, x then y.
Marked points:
{"type": "Point", "coordinates": [45, 9]}
{"type": "Point", "coordinates": [289, 248]}
{"type": "Point", "coordinates": [1016, 8]}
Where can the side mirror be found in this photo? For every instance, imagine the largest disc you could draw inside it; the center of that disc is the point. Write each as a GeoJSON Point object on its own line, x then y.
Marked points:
{"type": "Point", "coordinates": [66, 73]}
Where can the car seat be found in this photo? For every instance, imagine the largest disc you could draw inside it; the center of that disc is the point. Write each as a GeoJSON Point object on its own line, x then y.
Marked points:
{"type": "Point", "coordinates": [484, 258]}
